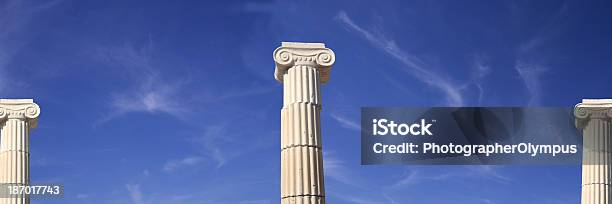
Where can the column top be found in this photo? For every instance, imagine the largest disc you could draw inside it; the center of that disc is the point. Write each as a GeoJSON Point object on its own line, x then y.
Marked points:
{"type": "Point", "coordinates": [315, 55]}
{"type": "Point", "coordinates": [302, 45]}
{"type": "Point", "coordinates": [595, 103]}
{"type": "Point", "coordinates": [592, 109]}
{"type": "Point", "coordinates": [24, 109]}
{"type": "Point", "coordinates": [16, 101]}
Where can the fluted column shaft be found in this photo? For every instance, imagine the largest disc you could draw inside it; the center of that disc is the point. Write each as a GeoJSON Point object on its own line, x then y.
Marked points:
{"type": "Point", "coordinates": [15, 157]}
{"type": "Point", "coordinates": [17, 117]}
{"type": "Point", "coordinates": [593, 117]}
{"type": "Point", "coordinates": [302, 69]}
{"type": "Point", "coordinates": [301, 155]}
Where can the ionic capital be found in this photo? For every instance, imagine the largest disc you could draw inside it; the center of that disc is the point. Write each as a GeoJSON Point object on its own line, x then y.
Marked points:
{"type": "Point", "coordinates": [22, 109]}
{"type": "Point", "coordinates": [592, 109]}
{"type": "Point", "coordinates": [290, 54]}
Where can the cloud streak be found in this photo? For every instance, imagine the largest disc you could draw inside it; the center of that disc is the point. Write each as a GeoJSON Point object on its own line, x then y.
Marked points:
{"type": "Point", "coordinates": [481, 70]}
{"type": "Point", "coordinates": [210, 142]}
{"type": "Point", "coordinates": [14, 17]}
{"type": "Point", "coordinates": [211, 147]}
{"type": "Point", "coordinates": [149, 93]}
{"type": "Point", "coordinates": [412, 64]}
{"type": "Point", "coordinates": [416, 176]}
{"type": "Point", "coordinates": [135, 193]}
{"type": "Point", "coordinates": [530, 74]}
{"type": "Point", "coordinates": [345, 122]}
{"type": "Point", "coordinates": [337, 170]}
{"type": "Point", "coordinates": [530, 65]}
{"type": "Point", "coordinates": [174, 165]}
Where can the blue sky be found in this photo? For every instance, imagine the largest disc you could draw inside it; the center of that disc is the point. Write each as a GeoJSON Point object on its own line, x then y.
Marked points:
{"type": "Point", "coordinates": [148, 102]}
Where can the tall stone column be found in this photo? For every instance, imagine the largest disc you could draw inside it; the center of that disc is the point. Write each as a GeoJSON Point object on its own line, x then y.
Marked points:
{"type": "Point", "coordinates": [17, 116]}
{"type": "Point", "coordinates": [302, 68]}
{"type": "Point", "coordinates": [593, 117]}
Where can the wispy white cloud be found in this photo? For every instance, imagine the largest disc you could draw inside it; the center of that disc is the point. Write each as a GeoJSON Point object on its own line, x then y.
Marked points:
{"type": "Point", "coordinates": [133, 189]}
{"type": "Point", "coordinates": [412, 64]}
{"type": "Point", "coordinates": [82, 196]}
{"type": "Point", "coordinates": [552, 27]}
{"type": "Point", "coordinates": [15, 15]}
{"type": "Point", "coordinates": [174, 165]}
{"type": "Point", "coordinates": [135, 193]}
{"type": "Point", "coordinates": [487, 201]}
{"type": "Point", "coordinates": [529, 64]}
{"type": "Point", "coordinates": [480, 70]}
{"type": "Point", "coordinates": [406, 90]}
{"type": "Point", "coordinates": [492, 173]}
{"type": "Point", "coordinates": [345, 122]}
{"type": "Point", "coordinates": [216, 147]}
{"type": "Point", "coordinates": [149, 92]}
{"type": "Point", "coordinates": [150, 195]}
{"type": "Point", "coordinates": [530, 71]}
{"type": "Point", "coordinates": [531, 74]}
{"type": "Point", "coordinates": [211, 141]}
{"type": "Point", "coordinates": [362, 190]}
{"type": "Point", "coordinates": [360, 200]}
{"type": "Point", "coordinates": [252, 91]}
{"type": "Point", "coordinates": [389, 199]}
{"type": "Point", "coordinates": [336, 169]}
{"type": "Point", "coordinates": [414, 176]}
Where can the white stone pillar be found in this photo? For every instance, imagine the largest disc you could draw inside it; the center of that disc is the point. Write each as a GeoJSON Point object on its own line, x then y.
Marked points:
{"type": "Point", "coordinates": [302, 68]}
{"type": "Point", "coordinates": [17, 117]}
{"type": "Point", "coordinates": [593, 118]}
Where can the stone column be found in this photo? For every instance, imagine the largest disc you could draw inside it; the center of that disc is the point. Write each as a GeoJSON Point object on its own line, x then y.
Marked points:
{"type": "Point", "coordinates": [302, 68]}
{"type": "Point", "coordinates": [593, 118]}
{"type": "Point", "coordinates": [17, 116]}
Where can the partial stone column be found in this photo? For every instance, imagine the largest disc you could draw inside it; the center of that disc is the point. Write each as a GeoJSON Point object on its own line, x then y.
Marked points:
{"type": "Point", "coordinates": [593, 118]}
{"type": "Point", "coordinates": [17, 116]}
{"type": "Point", "coordinates": [302, 68]}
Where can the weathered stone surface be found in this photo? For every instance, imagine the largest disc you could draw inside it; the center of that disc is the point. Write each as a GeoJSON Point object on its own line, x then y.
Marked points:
{"type": "Point", "coordinates": [302, 68]}
{"type": "Point", "coordinates": [593, 118]}
{"type": "Point", "coordinates": [17, 117]}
